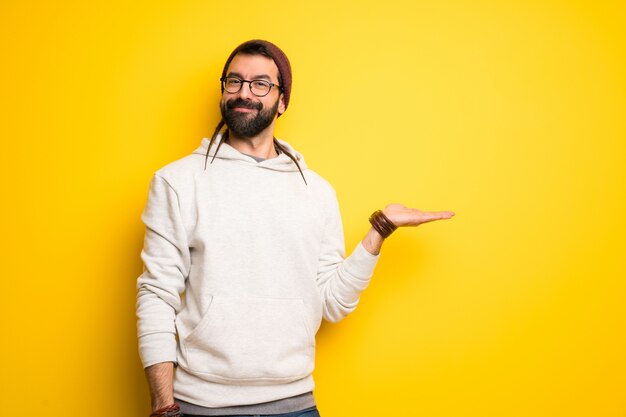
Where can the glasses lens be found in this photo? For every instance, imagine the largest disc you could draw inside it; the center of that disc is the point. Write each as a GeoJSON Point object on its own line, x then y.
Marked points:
{"type": "Point", "coordinates": [232, 84]}
{"type": "Point", "coordinates": [260, 87]}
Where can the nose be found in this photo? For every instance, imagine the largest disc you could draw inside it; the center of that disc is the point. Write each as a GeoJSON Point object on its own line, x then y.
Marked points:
{"type": "Point", "coordinates": [245, 92]}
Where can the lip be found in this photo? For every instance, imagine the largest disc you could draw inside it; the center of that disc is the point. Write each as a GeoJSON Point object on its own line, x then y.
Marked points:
{"type": "Point", "coordinates": [243, 109]}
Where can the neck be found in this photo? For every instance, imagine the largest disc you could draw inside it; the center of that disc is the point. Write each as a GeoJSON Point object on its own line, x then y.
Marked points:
{"type": "Point", "coordinates": [261, 146]}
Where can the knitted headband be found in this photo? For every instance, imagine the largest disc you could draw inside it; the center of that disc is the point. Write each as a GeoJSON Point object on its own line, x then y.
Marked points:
{"type": "Point", "coordinates": [274, 52]}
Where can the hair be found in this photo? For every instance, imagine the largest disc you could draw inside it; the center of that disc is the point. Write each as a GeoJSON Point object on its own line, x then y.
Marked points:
{"type": "Point", "coordinates": [254, 47]}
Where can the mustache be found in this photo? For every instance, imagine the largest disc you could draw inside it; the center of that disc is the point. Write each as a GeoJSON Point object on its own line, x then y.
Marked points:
{"type": "Point", "coordinates": [239, 102]}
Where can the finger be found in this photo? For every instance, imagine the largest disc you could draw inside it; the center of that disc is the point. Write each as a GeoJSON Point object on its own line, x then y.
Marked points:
{"type": "Point", "coordinates": [436, 215]}
{"type": "Point", "coordinates": [446, 214]}
{"type": "Point", "coordinates": [426, 217]}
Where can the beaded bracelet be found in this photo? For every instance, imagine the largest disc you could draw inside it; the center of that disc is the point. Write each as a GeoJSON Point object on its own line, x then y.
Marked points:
{"type": "Point", "coordinates": [382, 224]}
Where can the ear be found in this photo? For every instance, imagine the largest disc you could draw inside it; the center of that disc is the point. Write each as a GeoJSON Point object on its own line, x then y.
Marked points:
{"type": "Point", "coordinates": [281, 104]}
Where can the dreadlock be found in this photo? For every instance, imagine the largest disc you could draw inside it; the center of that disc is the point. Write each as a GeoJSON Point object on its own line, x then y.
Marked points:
{"type": "Point", "coordinates": [286, 152]}
{"type": "Point", "coordinates": [217, 132]}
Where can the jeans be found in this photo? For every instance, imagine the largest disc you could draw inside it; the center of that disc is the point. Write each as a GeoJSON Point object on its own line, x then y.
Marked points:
{"type": "Point", "coordinates": [307, 412]}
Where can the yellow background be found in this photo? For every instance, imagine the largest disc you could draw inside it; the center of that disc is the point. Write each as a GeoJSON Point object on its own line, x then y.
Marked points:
{"type": "Point", "coordinates": [511, 113]}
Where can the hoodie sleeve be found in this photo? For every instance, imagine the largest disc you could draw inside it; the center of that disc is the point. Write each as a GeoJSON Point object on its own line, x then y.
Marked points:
{"type": "Point", "coordinates": [166, 261]}
{"type": "Point", "coordinates": [340, 280]}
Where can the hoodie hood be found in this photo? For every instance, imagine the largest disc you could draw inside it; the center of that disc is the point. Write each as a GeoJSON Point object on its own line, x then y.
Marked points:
{"type": "Point", "coordinates": [281, 163]}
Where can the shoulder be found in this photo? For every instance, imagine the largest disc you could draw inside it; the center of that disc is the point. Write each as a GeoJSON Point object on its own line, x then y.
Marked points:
{"type": "Point", "coordinates": [320, 186]}
{"type": "Point", "coordinates": [180, 171]}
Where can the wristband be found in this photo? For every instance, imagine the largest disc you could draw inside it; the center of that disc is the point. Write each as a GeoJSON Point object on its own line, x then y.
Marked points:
{"type": "Point", "coordinates": [382, 224]}
{"type": "Point", "coordinates": [172, 410]}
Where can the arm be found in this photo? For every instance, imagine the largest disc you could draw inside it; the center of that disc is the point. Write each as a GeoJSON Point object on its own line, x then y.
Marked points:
{"type": "Point", "coordinates": [167, 262]}
{"type": "Point", "coordinates": [160, 378]}
{"type": "Point", "coordinates": [340, 280]}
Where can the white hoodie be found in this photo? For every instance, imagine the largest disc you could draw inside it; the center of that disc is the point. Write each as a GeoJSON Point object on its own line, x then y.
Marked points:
{"type": "Point", "coordinates": [242, 260]}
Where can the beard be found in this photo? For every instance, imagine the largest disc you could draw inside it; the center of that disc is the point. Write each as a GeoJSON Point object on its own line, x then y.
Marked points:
{"type": "Point", "coordinates": [247, 125]}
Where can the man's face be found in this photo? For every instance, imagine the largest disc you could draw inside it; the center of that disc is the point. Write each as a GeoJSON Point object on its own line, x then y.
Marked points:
{"type": "Point", "coordinates": [245, 114]}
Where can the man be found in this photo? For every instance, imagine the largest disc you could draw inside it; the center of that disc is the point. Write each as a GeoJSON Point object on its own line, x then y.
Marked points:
{"type": "Point", "coordinates": [244, 255]}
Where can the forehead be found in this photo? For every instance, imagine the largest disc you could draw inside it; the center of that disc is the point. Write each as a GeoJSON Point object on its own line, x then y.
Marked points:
{"type": "Point", "coordinates": [253, 67]}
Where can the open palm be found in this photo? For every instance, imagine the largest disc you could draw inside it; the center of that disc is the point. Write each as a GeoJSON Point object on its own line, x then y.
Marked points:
{"type": "Point", "coordinates": [401, 215]}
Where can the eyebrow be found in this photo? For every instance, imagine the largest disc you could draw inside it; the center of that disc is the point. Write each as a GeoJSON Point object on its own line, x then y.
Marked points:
{"type": "Point", "coordinates": [256, 77]}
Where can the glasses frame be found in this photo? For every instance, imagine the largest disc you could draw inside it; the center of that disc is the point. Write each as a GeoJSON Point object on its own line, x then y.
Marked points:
{"type": "Point", "coordinates": [271, 84]}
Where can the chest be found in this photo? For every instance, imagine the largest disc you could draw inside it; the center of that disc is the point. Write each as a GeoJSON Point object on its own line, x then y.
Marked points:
{"type": "Point", "coordinates": [255, 208]}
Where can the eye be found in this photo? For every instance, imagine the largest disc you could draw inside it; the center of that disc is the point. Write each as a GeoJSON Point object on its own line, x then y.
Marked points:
{"type": "Point", "coordinates": [233, 82]}
{"type": "Point", "coordinates": [260, 85]}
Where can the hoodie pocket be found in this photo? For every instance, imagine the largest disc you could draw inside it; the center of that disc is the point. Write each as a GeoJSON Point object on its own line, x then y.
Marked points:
{"type": "Point", "coordinates": [251, 339]}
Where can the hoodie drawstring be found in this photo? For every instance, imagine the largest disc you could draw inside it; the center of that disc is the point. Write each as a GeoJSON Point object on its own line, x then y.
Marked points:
{"type": "Point", "coordinates": [225, 137]}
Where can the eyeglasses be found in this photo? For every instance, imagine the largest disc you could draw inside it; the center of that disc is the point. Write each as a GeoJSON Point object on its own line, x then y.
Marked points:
{"type": "Point", "coordinates": [259, 88]}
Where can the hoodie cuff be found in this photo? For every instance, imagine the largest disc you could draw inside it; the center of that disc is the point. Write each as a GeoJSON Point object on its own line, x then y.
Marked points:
{"type": "Point", "coordinates": [156, 348]}
{"type": "Point", "coordinates": [360, 264]}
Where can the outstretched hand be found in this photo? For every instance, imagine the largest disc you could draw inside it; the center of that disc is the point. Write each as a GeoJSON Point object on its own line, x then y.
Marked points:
{"type": "Point", "coordinates": [401, 215]}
